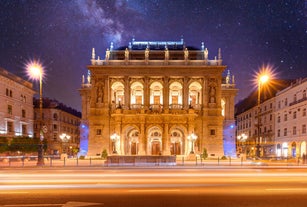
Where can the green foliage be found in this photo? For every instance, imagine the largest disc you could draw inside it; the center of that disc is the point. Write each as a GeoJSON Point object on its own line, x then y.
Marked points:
{"type": "Point", "coordinates": [205, 154]}
{"type": "Point", "coordinates": [104, 154]}
{"type": "Point", "coordinates": [25, 144]}
{"type": "Point", "coordinates": [82, 157]}
{"type": "Point", "coordinates": [4, 146]}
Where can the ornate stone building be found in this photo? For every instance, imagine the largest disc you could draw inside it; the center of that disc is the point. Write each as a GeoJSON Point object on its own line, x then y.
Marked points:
{"type": "Point", "coordinates": [153, 98]}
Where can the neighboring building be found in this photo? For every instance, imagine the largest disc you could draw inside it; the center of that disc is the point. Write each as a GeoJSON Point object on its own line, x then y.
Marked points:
{"type": "Point", "coordinates": [275, 131]}
{"type": "Point", "coordinates": [247, 129]}
{"type": "Point", "coordinates": [16, 105]}
{"type": "Point", "coordinates": [62, 124]}
{"type": "Point", "coordinates": [291, 120]}
{"type": "Point", "coordinates": [153, 98]}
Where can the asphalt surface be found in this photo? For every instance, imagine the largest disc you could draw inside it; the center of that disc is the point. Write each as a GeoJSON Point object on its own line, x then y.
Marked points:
{"type": "Point", "coordinates": [177, 186]}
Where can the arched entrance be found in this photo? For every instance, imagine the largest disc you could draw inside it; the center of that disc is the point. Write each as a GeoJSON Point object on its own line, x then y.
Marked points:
{"type": "Point", "coordinates": [154, 141]}
{"type": "Point", "coordinates": [176, 142]}
{"type": "Point", "coordinates": [285, 149]}
{"type": "Point", "coordinates": [133, 142]}
{"type": "Point", "coordinates": [293, 149]}
{"type": "Point", "coordinates": [303, 148]}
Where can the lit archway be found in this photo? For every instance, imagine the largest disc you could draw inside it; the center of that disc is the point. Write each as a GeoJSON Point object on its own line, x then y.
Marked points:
{"type": "Point", "coordinates": [137, 95]}
{"type": "Point", "coordinates": [154, 141]}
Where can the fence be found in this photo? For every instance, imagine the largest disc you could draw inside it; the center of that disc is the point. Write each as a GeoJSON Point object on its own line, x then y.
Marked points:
{"type": "Point", "coordinates": [56, 161]}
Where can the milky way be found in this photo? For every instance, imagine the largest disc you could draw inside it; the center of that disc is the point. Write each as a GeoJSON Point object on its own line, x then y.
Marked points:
{"type": "Point", "coordinates": [62, 33]}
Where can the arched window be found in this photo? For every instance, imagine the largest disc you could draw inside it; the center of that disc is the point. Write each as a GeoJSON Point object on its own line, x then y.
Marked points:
{"type": "Point", "coordinates": [156, 93]}
{"type": "Point", "coordinates": [175, 95]}
{"type": "Point", "coordinates": [118, 93]}
{"type": "Point", "coordinates": [195, 94]}
{"type": "Point", "coordinates": [137, 95]}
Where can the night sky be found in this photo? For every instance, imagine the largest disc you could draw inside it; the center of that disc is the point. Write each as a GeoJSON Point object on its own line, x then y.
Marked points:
{"type": "Point", "coordinates": [62, 33]}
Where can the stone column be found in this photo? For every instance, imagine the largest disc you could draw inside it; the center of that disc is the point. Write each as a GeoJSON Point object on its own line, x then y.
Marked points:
{"type": "Point", "coordinates": [127, 92]}
{"type": "Point", "coordinates": [165, 141]}
{"type": "Point", "coordinates": [185, 93]}
{"type": "Point", "coordinates": [146, 93]}
{"type": "Point", "coordinates": [166, 93]}
{"type": "Point", "coordinates": [142, 139]}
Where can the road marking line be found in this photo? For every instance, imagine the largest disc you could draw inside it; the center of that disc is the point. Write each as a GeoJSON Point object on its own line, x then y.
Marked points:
{"type": "Point", "coordinates": [286, 189]}
{"type": "Point", "coordinates": [152, 190]}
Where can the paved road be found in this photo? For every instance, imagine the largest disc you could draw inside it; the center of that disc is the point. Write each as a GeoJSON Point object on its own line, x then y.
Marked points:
{"type": "Point", "coordinates": [154, 187]}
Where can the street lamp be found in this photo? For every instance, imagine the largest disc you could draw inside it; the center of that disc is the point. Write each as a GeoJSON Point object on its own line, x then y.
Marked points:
{"type": "Point", "coordinates": [65, 138]}
{"type": "Point", "coordinates": [192, 137]}
{"type": "Point", "coordinates": [35, 71]}
{"type": "Point", "coordinates": [114, 137]}
{"type": "Point", "coordinates": [262, 79]}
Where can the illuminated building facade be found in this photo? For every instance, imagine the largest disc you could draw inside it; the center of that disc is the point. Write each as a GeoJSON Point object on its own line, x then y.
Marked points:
{"type": "Point", "coordinates": [152, 98]}
{"type": "Point", "coordinates": [16, 105]}
{"type": "Point", "coordinates": [291, 120]}
{"type": "Point", "coordinates": [62, 126]}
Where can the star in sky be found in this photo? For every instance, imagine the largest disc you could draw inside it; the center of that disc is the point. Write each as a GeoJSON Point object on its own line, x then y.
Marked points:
{"type": "Point", "coordinates": [62, 33]}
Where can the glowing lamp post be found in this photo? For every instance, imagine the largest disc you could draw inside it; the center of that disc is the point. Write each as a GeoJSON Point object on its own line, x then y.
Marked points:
{"type": "Point", "coordinates": [192, 137]}
{"type": "Point", "coordinates": [262, 79]}
{"type": "Point", "coordinates": [114, 137]}
{"type": "Point", "coordinates": [35, 71]}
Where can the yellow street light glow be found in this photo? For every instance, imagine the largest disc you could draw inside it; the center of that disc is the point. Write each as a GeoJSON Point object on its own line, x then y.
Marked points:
{"type": "Point", "coordinates": [34, 70]}
{"type": "Point", "coordinates": [264, 78]}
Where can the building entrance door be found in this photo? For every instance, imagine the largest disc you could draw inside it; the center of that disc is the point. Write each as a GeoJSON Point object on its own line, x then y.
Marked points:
{"type": "Point", "coordinates": [133, 148]}
{"type": "Point", "coordinates": [155, 148]}
{"type": "Point", "coordinates": [175, 148]}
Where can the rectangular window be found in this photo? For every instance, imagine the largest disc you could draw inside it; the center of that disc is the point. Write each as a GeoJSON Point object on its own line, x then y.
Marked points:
{"type": "Point", "coordinates": [278, 133]}
{"type": "Point", "coordinates": [23, 113]}
{"type": "Point", "coordinates": [55, 127]}
{"type": "Point", "coordinates": [294, 130]}
{"type": "Point", "coordinates": [285, 131]}
{"type": "Point", "coordinates": [212, 132]}
{"type": "Point", "coordinates": [9, 109]}
{"type": "Point", "coordinates": [98, 132]}
{"type": "Point", "coordinates": [24, 129]}
{"type": "Point", "coordinates": [156, 99]}
{"type": "Point", "coordinates": [10, 126]}
{"type": "Point", "coordinates": [138, 99]}
{"type": "Point", "coordinates": [304, 128]}
{"type": "Point", "coordinates": [285, 117]}
{"type": "Point", "coordinates": [55, 136]}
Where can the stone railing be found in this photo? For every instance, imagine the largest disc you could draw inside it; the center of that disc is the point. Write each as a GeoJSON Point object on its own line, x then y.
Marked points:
{"type": "Point", "coordinates": [141, 160]}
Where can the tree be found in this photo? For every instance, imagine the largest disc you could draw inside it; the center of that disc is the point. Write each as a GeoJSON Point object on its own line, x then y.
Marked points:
{"type": "Point", "coordinates": [205, 154]}
{"type": "Point", "coordinates": [104, 154]}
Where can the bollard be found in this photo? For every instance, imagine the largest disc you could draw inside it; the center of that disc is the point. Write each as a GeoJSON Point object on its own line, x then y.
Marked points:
{"type": "Point", "coordinates": [218, 160]}
{"type": "Point", "coordinates": [182, 161]}
{"type": "Point", "coordinates": [9, 162]}
{"type": "Point", "coordinates": [23, 161]}
{"type": "Point", "coordinates": [77, 162]}
{"type": "Point", "coordinates": [64, 161]}
{"type": "Point", "coordinates": [90, 161]}
{"type": "Point", "coordinates": [196, 161]}
{"type": "Point", "coordinates": [241, 161]}
{"type": "Point", "coordinates": [201, 160]}
{"type": "Point", "coordinates": [229, 161]}
{"type": "Point", "coordinates": [50, 161]}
